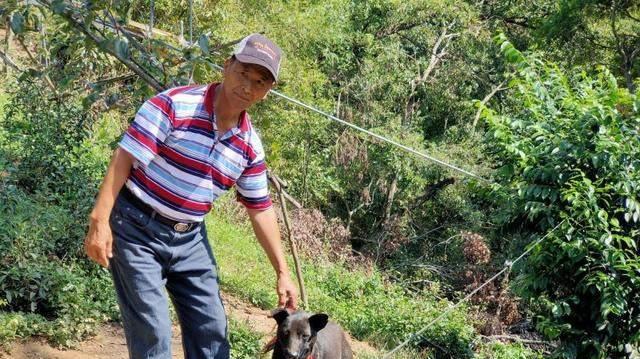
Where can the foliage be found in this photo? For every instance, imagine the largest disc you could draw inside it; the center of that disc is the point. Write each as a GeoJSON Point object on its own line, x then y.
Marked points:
{"type": "Point", "coordinates": [497, 350]}
{"type": "Point", "coordinates": [19, 325]}
{"type": "Point", "coordinates": [368, 306]}
{"type": "Point", "coordinates": [50, 165]}
{"type": "Point", "coordinates": [610, 28]}
{"type": "Point", "coordinates": [571, 153]}
{"type": "Point", "coordinates": [50, 145]}
{"type": "Point", "coordinates": [586, 33]}
{"type": "Point", "coordinates": [40, 277]}
{"type": "Point", "coordinates": [245, 343]}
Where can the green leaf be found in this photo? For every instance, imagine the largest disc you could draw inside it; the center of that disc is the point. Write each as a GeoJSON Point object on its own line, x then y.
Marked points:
{"type": "Point", "coordinates": [203, 42]}
{"type": "Point", "coordinates": [17, 23]}
{"type": "Point", "coordinates": [58, 6]}
{"type": "Point", "coordinates": [121, 47]}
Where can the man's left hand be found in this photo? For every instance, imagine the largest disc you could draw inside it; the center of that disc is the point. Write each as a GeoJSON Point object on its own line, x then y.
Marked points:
{"type": "Point", "coordinates": [287, 292]}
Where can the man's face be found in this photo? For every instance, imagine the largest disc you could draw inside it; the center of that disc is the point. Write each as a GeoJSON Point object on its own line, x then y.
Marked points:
{"type": "Point", "coordinates": [245, 84]}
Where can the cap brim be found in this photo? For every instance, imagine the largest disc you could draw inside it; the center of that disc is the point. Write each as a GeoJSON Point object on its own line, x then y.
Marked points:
{"type": "Point", "coordinates": [256, 61]}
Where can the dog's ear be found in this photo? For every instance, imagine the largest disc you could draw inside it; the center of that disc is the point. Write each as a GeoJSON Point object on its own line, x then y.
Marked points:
{"type": "Point", "coordinates": [279, 314]}
{"type": "Point", "coordinates": [318, 321]}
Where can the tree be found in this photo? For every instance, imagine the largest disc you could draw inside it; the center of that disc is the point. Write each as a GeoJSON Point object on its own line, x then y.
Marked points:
{"type": "Point", "coordinates": [569, 152]}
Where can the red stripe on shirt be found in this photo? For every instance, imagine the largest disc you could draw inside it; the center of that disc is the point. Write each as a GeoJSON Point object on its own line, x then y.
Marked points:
{"type": "Point", "coordinates": [183, 160]}
{"type": "Point", "coordinates": [149, 142]}
{"type": "Point", "coordinates": [255, 170]}
{"type": "Point", "coordinates": [193, 122]}
{"type": "Point", "coordinates": [169, 196]}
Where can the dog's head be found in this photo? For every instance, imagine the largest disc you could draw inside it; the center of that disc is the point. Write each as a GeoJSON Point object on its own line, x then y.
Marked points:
{"type": "Point", "coordinates": [297, 332]}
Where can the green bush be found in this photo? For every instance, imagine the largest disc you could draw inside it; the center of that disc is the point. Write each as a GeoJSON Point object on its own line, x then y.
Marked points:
{"type": "Point", "coordinates": [569, 150]}
{"type": "Point", "coordinates": [245, 342]}
{"type": "Point", "coordinates": [498, 350]}
{"type": "Point", "coordinates": [51, 162]}
{"type": "Point", "coordinates": [15, 325]}
{"type": "Point", "coordinates": [38, 277]}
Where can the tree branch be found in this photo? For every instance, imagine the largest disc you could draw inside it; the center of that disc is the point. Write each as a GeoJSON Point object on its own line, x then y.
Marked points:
{"type": "Point", "coordinates": [398, 28]}
{"type": "Point", "coordinates": [82, 27]}
{"type": "Point", "coordinates": [7, 60]}
{"type": "Point", "coordinates": [484, 102]}
{"type": "Point", "coordinates": [516, 339]}
{"type": "Point", "coordinates": [438, 51]}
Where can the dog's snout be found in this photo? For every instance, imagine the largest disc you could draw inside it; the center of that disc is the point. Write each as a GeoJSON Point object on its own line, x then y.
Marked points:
{"type": "Point", "coordinates": [291, 355]}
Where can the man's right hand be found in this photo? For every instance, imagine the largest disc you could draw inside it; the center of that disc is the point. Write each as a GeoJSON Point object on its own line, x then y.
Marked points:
{"type": "Point", "coordinates": [99, 242]}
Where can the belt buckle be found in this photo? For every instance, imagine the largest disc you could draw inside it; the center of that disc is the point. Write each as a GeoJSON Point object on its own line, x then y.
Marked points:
{"type": "Point", "coordinates": [181, 227]}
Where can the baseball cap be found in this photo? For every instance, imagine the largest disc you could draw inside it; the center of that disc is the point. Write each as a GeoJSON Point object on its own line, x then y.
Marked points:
{"type": "Point", "coordinates": [258, 49]}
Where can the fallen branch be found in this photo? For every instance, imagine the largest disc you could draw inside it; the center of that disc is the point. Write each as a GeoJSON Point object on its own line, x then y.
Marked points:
{"type": "Point", "coordinates": [515, 339]}
{"type": "Point", "coordinates": [431, 191]}
{"type": "Point", "coordinates": [7, 60]}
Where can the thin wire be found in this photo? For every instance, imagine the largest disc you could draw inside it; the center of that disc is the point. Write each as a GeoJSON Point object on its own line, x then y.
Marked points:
{"type": "Point", "coordinates": [373, 134]}
{"type": "Point", "coordinates": [507, 266]}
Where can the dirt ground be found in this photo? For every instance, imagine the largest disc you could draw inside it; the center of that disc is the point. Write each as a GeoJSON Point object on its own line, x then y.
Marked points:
{"type": "Point", "coordinates": [109, 343]}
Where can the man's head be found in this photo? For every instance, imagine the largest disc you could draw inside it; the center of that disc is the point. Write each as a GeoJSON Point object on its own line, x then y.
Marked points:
{"type": "Point", "coordinates": [252, 70]}
{"type": "Point", "coordinates": [259, 50]}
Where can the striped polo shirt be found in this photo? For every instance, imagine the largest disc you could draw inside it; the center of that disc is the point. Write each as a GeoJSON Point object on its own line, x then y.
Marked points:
{"type": "Point", "coordinates": [183, 164]}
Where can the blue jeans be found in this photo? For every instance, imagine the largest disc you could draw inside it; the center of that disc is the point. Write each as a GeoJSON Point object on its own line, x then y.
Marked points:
{"type": "Point", "coordinates": [149, 257]}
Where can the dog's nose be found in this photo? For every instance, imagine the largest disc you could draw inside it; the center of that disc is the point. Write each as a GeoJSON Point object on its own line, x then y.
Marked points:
{"type": "Point", "coordinates": [291, 355]}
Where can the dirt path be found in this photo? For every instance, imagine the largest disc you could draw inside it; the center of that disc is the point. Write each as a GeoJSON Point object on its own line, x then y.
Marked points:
{"type": "Point", "coordinates": [109, 343]}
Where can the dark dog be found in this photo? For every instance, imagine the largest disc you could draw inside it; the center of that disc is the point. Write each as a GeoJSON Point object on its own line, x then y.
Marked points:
{"type": "Point", "coordinates": [305, 336]}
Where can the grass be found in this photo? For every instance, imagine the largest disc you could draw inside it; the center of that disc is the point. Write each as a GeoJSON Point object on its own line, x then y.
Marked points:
{"type": "Point", "coordinates": [245, 341]}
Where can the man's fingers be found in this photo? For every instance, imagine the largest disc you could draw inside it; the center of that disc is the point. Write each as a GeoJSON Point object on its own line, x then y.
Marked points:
{"type": "Point", "coordinates": [102, 256]}
{"type": "Point", "coordinates": [109, 247]}
{"type": "Point", "coordinates": [293, 301]}
{"type": "Point", "coordinates": [90, 250]}
{"type": "Point", "coordinates": [99, 244]}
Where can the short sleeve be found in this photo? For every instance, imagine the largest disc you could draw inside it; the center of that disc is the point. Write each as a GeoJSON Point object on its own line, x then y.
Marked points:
{"type": "Point", "coordinates": [150, 127]}
{"type": "Point", "coordinates": [252, 188]}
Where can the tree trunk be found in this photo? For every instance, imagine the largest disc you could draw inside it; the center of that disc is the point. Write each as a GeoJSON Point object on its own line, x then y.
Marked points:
{"type": "Point", "coordinates": [391, 193]}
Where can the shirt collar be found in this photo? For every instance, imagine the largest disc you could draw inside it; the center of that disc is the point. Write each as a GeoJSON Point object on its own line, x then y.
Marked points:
{"type": "Point", "coordinates": [209, 97]}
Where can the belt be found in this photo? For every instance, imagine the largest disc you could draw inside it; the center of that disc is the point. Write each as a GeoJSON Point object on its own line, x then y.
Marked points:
{"type": "Point", "coordinates": [138, 203]}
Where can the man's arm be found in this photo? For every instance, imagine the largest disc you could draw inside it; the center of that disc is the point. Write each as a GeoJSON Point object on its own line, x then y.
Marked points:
{"type": "Point", "coordinates": [98, 243]}
{"type": "Point", "coordinates": [265, 226]}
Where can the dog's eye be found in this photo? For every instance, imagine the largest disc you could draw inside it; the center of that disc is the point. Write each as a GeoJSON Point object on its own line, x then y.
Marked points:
{"type": "Point", "coordinates": [305, 336]}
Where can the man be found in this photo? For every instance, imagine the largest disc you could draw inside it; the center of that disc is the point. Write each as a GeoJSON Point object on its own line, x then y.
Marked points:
{"type": "Point", "coordinates": [186, 147]}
